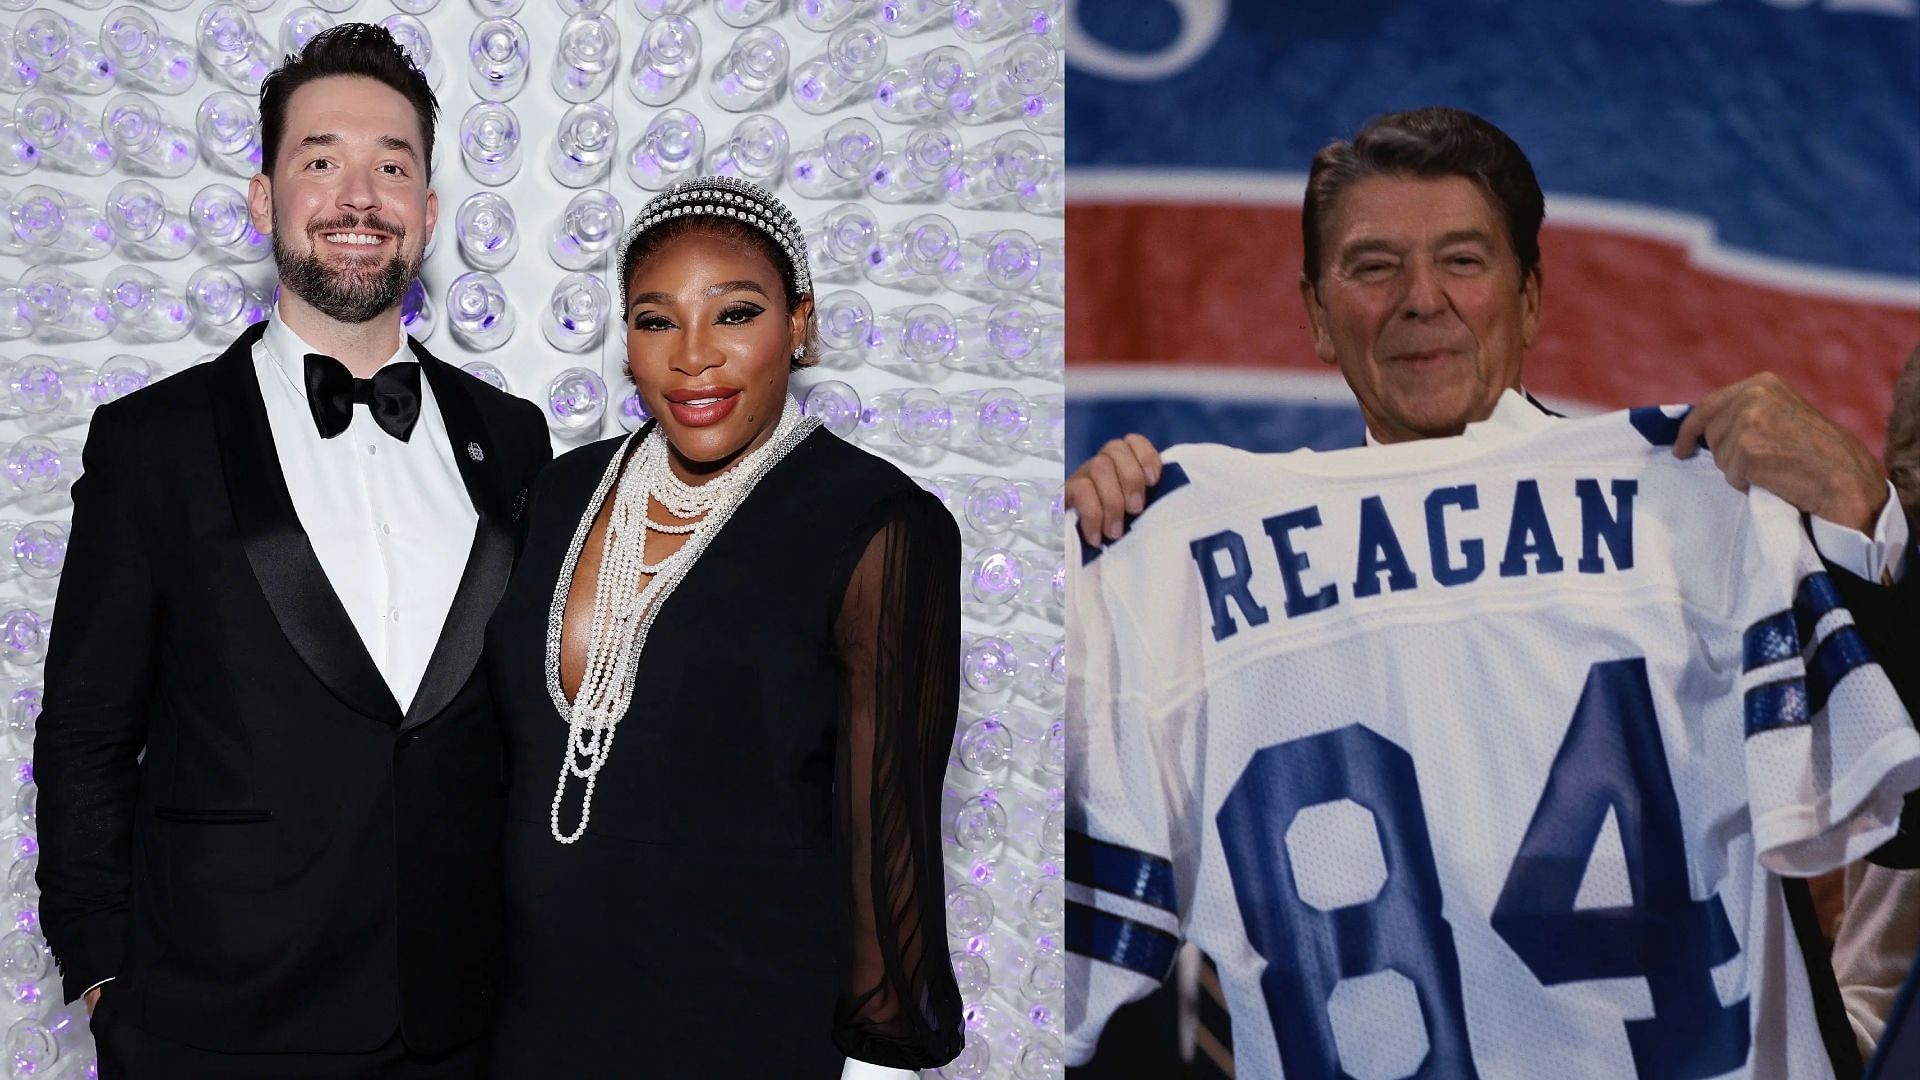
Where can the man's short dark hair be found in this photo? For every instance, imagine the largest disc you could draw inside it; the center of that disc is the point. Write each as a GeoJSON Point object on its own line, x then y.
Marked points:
{"type": "Point", "coordinates": [1428, 143]}
{"type": "Point", "coordinates": [354, 48]}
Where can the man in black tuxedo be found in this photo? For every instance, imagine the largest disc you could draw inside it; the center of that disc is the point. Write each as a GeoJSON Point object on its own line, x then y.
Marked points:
{"type": "Point", "coordinates": [270, 778]}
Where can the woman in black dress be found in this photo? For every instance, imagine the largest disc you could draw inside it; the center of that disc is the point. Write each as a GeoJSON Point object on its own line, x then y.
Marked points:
{"type": "Point", "coordinates": [768, 619]}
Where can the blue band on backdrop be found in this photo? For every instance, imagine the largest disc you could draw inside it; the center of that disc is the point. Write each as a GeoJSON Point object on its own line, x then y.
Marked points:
{"type": "Point", "coordinates": [1837, 94]}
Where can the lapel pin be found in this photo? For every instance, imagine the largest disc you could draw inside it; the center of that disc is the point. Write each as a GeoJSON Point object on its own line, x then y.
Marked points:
{"type": "Point", "coordinates": [475, 453]}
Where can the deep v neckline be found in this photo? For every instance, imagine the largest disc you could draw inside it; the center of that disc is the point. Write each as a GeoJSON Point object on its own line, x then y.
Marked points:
{"type": "Point", "coordinates": [667, 580]}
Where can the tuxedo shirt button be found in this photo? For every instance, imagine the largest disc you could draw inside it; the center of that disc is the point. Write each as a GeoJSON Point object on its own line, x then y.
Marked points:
{"type": "Point", "coordinates": [372, 449]}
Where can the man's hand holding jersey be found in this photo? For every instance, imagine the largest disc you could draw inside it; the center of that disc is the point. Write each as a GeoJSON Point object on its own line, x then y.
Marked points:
{"type": "Point", "coordinates": [1760, 430]}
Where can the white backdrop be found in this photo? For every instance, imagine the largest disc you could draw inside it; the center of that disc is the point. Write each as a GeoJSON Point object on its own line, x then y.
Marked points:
{"type": "Point", "coordinates": [999, 470]}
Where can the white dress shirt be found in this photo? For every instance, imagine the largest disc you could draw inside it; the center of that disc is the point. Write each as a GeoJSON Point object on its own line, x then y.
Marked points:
{"type": "Point", "coordinates": [1880, 557]}
{"type": "Point", "coordinates": [390, 521]}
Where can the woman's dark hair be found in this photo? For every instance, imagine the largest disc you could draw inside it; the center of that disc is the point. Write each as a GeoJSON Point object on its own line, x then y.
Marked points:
{"type": "Point", "coordinates": [1428, 143]}
{"type": "Point", "coordinates": [356, 48]}
{"type": "Point", "coordinates": [737, 232]}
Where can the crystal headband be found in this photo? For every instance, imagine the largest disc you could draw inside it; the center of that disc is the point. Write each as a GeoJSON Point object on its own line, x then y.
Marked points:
{"type": "Point", "coordinates": [724, 197]}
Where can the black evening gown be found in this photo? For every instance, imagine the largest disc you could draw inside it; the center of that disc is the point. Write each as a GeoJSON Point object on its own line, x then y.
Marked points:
{"type": "Point", "coordinates": [759, 891]}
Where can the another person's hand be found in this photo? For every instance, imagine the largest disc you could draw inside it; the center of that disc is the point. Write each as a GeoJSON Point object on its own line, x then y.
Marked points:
{"type": "Point", "coordinates": [92, 998]}
{"type": "Point", "coordinates": [1762, 432]}
{"type": "Point", "coordinates": [1111, 485]}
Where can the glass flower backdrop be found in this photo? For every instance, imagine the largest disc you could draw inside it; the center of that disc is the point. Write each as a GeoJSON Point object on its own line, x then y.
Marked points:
{"type": "Point", "coordinates": [920, 140]}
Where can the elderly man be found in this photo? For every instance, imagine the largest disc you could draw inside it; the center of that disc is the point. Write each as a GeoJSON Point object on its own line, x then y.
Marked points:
{"type": "Point", "coordinates": [1423, 285]}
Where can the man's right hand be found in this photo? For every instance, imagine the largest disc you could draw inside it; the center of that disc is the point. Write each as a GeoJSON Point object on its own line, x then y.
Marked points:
{"type": "Point", "coordinates": [92, 998]}
{"type": "Point", "coordinates": [1111, 485]}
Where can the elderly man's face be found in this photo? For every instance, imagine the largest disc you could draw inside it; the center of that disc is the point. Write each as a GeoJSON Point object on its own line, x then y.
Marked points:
{"type": "Point", "coordinates": [1421, 304]}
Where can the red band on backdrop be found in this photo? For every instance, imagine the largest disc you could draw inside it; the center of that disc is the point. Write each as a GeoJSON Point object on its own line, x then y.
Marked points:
{"type": "Point", "coordinates": [1628, 321]}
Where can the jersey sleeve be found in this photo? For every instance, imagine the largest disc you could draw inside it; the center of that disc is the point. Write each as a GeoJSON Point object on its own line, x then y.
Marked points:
{"type": "Point", "coordinates": [1122, 911]}
{"type": "Point", "coordinates": [1830, 751]}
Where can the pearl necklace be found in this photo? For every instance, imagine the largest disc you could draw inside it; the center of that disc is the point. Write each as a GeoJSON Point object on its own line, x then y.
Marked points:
{"type": "Point", "coordinates": [628, 590]}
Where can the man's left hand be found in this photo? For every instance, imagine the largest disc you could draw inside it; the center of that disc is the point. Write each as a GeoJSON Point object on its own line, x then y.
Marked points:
{"type": "Point", "coordinates": [1762, 432]}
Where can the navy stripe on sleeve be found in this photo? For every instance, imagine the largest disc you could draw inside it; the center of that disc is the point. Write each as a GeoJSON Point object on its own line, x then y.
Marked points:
{"type": "Point", "coordinates": [1121, 871]}
{"type": "Point", "coordinates": [1816, 596]}
{"type": "Point", "coordinates": [1653, 422]}
{"type": "Point", "coordinates": [1771, 640]}
{"type": "Point", "coordinates": [1111, 939]}
{"type": "Point", "coordinates": [1839, 655]}
{"type": "Point", "coordinates": [1777, 705]}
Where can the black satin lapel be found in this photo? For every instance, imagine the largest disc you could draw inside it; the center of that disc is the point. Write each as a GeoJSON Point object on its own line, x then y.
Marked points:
{"type": "Point", "coordinates": [491, 558]}
{"type": "Point", "coordinates": [296, 588]}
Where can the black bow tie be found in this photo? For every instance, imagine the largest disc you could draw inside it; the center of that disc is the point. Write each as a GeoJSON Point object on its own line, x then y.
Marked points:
{"type": "Point", "coordinates": [393, 394]}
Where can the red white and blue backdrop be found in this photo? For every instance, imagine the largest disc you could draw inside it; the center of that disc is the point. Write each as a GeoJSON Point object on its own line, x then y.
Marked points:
{"type": "Point", "coordinates": [1732, 186]}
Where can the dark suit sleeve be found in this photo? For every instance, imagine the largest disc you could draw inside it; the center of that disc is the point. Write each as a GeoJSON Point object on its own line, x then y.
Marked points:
{"type": "Point", "coordinates": [99, 680]}
{"type": "Point", "coordinates": [1888, 619]}
{"type": "Point", "coordinates": [535, 453]}
{"type": "Point", "coordinates": [539, 446]}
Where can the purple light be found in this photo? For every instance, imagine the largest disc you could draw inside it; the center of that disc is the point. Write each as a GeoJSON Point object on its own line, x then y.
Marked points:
{"type": "Point", "coordinates": [1040, 1015]}
{"type": "Point", "coordinates": [808, 89]}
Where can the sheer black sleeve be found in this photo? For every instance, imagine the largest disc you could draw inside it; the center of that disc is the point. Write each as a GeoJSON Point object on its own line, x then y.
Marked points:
{"type": "Point", "coordinates": [897, 641]}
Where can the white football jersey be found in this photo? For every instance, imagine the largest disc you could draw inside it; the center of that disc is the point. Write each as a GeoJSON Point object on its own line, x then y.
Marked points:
{"type": "Point", "coordinates": [1469, 757]}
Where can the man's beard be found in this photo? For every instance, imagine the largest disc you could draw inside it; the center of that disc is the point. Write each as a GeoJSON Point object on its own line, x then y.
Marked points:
{"type": "Point", "coordinates": [351, 296]}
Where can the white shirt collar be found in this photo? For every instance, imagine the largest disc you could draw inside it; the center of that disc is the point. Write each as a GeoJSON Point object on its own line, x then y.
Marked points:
{"type": "Point", "coordinates": [1513, 414]}
{"type": "Point", "coordinates": [288, 352]}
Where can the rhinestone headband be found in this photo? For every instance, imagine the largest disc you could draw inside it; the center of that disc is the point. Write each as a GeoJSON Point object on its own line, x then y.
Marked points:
{"type": "Point", "coordinates": [724, 197]}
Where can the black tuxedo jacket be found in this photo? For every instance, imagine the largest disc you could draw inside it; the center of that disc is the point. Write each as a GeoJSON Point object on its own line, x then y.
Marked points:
{"type": "Point", "coordinates": [238, 823]}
